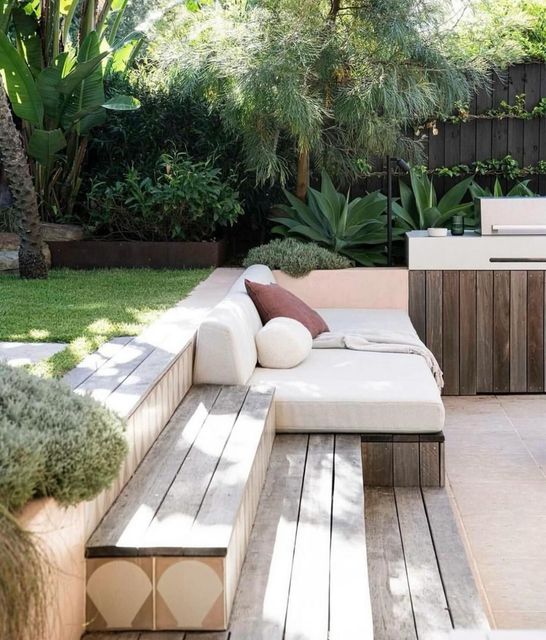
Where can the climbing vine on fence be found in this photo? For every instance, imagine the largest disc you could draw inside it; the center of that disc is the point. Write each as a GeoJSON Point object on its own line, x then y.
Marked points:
{"type": "Point", "coordinates": [462, 113]}
{"type": "Point", "coordinates": [507, 167]}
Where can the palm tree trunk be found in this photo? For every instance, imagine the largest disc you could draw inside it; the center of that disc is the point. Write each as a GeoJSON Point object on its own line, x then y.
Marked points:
{"type": "Point", "coordinates": [302, 181]}
{"type": "Point", "coordinates": [31, 258]}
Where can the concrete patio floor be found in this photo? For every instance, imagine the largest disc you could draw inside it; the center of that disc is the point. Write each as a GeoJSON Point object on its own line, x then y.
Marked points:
{"type": "Point", "coordinates": [496, 467]}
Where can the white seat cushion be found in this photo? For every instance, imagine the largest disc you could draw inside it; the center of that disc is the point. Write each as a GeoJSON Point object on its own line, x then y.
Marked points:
{"type": "Point", "coordinates": [355, 391]}
{"type": "Point", "coordinates": [371, 319]}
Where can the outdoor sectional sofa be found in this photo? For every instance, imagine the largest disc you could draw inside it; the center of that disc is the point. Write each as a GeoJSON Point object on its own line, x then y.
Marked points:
{"type": "Point", "coordinates": [217, 483]}
{"type": "Point", "coordinates": [332, 390]}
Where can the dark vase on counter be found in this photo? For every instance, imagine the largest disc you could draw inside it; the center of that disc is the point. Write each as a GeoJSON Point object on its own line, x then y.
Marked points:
{"type": "Point", "coordinates": [457, 225]}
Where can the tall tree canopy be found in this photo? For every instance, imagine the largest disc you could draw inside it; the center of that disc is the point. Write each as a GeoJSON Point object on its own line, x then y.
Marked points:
{"type": "Point", "coordinates": [334, 81]}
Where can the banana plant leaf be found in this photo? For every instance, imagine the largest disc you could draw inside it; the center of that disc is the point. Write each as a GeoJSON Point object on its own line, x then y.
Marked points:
{"type": "Point", "coordinates": [44, 145]}
{"type": "Point", "coordinates": [26, 28]}
{"type": "Point", "coordinates": [25, 99]}
{"type": "Point", "coordinates": [6, 7]}
{"type": "Point", "coordinates": [48, 85]}
{"type": "Point", "coordinates": [87, 95]}
{"type": "Point", "coordinates": [68, 10]}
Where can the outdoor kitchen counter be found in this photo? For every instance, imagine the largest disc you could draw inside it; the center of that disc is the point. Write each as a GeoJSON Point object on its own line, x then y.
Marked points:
{"type": "Point", "coordinates": [478, 303]}
{"type": "Point", "coordinates": [476, 252]}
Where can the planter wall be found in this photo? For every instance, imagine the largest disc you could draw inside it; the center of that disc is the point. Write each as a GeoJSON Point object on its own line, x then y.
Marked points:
{"type": "Point", "coordinates": [97, 254]}
{"type": "Point", "coordinates": [372, 288]}
{"type": "Point", "coordinates": [63, 532]}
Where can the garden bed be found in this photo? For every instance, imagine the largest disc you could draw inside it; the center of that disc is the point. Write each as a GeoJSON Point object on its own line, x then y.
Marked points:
{"type": "Point", "coordinates": [93, 254]}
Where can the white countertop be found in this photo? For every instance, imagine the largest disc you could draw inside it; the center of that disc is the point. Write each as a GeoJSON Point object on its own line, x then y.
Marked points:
{"type": "Point", "coordinates": [474, 251]}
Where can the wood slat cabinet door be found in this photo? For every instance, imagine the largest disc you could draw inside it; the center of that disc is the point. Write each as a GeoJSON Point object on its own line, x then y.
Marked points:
{"type": "Point", "coordinates": [487, 329]}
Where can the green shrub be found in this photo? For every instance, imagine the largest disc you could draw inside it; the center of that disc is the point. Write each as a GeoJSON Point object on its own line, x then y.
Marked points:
{"type": "Point", "coordinates": [295, 258]}
{"type": "Point", "coordinates": [54, 442]}
{"type": "Point", "coordinates": [180, 200]}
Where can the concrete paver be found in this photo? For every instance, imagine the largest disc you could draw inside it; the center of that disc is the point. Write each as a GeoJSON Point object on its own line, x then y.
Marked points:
{"type": "Point", "coordinates": [496, 467]}
{"type": "Point", "coordinates": [19, 354]}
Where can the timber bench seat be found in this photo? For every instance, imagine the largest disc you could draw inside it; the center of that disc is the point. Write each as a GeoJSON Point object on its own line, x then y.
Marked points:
{"type": "Point", "coordinates": [305, 575]}
{"type": "Point", "coordinates": [168, 554]}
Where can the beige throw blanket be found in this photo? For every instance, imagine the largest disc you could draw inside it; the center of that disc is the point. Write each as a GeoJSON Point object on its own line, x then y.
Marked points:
{"type": "Point", "coordinates": [381, 342]}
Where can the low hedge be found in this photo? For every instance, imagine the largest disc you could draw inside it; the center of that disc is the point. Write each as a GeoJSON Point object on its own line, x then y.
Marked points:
{"type": "Point", "coordinates": [54, 442]}
{"type": "Point", "coordinates": [295, 258]}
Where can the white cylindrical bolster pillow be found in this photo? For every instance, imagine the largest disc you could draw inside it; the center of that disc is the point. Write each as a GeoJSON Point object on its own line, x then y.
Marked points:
{"type": "Point", "coordinates": [283, 343]}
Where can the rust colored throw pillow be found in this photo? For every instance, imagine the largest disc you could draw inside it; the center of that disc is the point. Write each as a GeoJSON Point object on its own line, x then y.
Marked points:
{"type": "Point", "coordinates": [273, 301]}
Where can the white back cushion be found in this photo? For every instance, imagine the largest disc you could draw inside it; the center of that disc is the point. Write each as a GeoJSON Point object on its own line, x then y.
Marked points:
{"type": "Point", "coordinates": [226, 349]}
{"type": "Point", "coordinates": [256, 273]}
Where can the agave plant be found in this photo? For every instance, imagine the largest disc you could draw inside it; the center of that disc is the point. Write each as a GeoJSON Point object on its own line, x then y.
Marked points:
{"type": "Point", "coordinates": [420, 208]}
{"type": "Point", "coordinates": [354, 228]}
{"type": "Point", "coordinates": [520, 189]}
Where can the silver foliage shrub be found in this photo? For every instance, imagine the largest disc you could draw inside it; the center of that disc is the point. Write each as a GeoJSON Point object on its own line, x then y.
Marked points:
{"type": "Point", "coordinates": [54, 442]}
{"type": "Point", "coordinates": [295, 258]}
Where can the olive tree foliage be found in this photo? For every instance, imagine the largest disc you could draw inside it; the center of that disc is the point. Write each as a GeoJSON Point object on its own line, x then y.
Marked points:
{"type": "Point", "coordinates": [331, 81]}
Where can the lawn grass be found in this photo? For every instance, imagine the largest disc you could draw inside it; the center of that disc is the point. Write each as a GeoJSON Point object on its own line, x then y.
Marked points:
{"type": "Point", "coordinates": [87, 308]}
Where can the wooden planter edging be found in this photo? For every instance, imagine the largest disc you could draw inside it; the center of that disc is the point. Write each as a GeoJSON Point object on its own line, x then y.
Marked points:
{"type": "Point", "coordinates": [405, 460]}
{"type": "Point", "coordinates": [96, 254]}
{"type": "Point", "coordinates": [486, 328]}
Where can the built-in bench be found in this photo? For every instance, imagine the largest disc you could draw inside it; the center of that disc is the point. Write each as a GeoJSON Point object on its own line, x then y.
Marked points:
{"type": "Point", "coordinates": [170, 550]}
{"type": "Point", "coordinates": [305, 573]}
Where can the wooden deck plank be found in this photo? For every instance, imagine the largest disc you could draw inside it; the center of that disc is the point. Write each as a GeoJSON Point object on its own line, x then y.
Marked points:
{"type": "Point", "coordinates": [174, 518]}
{"type": "Point", "coordinates": [350, 609]}
{"type": "Point", "coordinates": [110, 376]}
{"type": "Point", "coordinates": [425, 583]}
{"type": "Point", "coordinates": [309, 587]}
{"type": "Point", "coordinates": [391, 603]}
{"type": "Point", "coordinates": [121, 532]}
{"type": "Point", "coordinates": [148, 372]}
{"type": "Point", "coordinates": [214, 523]}
{"type": "Point", "coordinates": [93, 362]}
{"type": "Point", "coordinates": [261, 602]}
{"type": "Point", "coordinates": [461, 592]}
